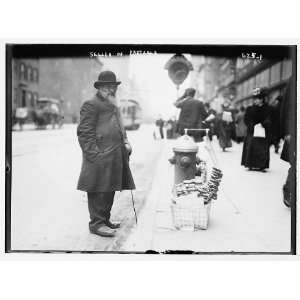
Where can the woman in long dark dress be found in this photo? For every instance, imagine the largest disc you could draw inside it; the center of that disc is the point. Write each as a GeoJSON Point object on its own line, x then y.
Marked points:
{"type": "Point", "coordinates": [256, 150]}
{"type": "Point", "coordinates": [224, 127]}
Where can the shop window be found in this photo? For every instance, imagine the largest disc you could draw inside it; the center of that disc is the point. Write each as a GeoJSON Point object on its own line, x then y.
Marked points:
{"type": "Point", "coordinates": [286, 69]}
{"type": "Point", "coordinates": [251, 84]}
{"type": "Point", "coordinates": [265, 78]}
{"type": "Point", "coordinates": [258, 80]}
{"type": "Point", "coordinates": [275, 73]}
{"type": "Point", "coordinates": [246, 88]}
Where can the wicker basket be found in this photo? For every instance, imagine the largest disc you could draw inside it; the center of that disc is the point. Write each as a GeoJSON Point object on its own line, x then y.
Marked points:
{"type": "Point", "coordinates": [190, 215]}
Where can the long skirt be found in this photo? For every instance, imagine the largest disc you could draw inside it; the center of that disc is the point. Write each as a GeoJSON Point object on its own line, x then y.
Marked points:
{"type": "Point", "coordinates": [225, 136]}
{"type": "Point", "coordinates": [256, 153]}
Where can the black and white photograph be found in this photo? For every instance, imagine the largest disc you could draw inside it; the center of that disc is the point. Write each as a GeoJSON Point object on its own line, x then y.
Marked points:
{"type": "Point", "coordinates": [151, 148]}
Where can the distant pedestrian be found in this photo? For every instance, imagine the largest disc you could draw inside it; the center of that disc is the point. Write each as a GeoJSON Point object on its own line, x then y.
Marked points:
{"type": "Point", "coordinates": [21, 116]}
{"type": "Point", "coordinates": [224, 126]}
{"type": "Point", "coordinates": [192, 114]}
{"type": "Point", "coordinates": [160, 124]}
{"type": "Point", "coordinates": [170, 128]}
{"type": "Point", "coordinates": [240, 126]}
{"type": "Point", "coordinates": [256, 149]}
{"type": "Point", "coordinates": [210, 121]}
{"type": "Point", "coordinates": [105, 151]}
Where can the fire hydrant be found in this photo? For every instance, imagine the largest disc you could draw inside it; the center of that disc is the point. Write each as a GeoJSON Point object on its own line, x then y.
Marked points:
{"type": "Point", "coordinates": [187, 163]}
{"type": "Point", "coordinates": [184, 158]}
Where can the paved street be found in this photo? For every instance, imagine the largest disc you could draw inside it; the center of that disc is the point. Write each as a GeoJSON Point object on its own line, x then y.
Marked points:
{"type": "Point", "coordinates": [48, 213]}
{"type": "Point", "coordinates": [248, 216]}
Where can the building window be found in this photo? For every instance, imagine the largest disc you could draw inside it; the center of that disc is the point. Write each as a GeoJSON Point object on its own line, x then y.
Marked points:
{"type": "Point", "coordinates": [246, 88]}
{"type": "Point", "coordinates": [35, 75]}
{"type": "Point", "coordinates": [30, 74]}
{"type": "Point", "coordinates": [251, 84]}
{"type": "Point", "coordinates": [275, 73]}
{"type": "Point", "coordinates": [22, 71]}
{"type": "Point", "coordinates": [258, 80]}
{"type": "Point", "coordinates": [265, 78]}
{"type": "Point", "coordinates": [286, 69]}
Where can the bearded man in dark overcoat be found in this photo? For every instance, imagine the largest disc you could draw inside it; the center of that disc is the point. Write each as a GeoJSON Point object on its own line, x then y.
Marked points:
{"type": "Point", "coordinates": [105, 154]}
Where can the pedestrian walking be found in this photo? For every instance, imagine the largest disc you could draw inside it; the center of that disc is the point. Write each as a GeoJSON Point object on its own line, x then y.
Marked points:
{"type": "Point", "coordinates": [287, 132]}
{"type": "Point", "coordinates": [240, 126]}
{"type": "Point", "coordinates": [210, 121]}
{"type": "Point", "coordinates": [192, 114]}
{"type": "Point", "coordinates": [160, 125]}
{"type": "Point", "coordinates": [275, 123]}
{"type": "Point", "coordinates": [105, 154]}
{"type": "Point", "coordinates": [21, 116]}
{"type": "Point", "coordinates": [170, 128]}
{"type": "Point", "coordinates": [224, 126]}
{"type": "Point", "coordinates": [256, 149]}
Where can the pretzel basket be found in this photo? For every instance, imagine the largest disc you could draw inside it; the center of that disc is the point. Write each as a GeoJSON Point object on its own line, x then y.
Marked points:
{"type": "Point", "coordinates": [190, 214]}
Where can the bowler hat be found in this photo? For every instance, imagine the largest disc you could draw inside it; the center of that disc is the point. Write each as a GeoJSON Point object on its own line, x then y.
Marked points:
{"type": "Point", "coordinates": [106, 77]}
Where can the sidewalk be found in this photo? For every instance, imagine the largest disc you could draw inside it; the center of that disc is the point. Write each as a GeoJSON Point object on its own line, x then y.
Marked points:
{"type": "Point", "coordinates": [247, 217]}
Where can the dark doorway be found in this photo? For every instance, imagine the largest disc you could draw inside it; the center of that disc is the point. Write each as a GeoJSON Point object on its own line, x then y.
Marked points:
{"type": "Point", "coordinates": [23, 98]}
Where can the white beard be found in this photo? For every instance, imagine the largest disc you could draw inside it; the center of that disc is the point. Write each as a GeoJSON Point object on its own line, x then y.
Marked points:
{"type": "Point", "coordinates": [113, 100]}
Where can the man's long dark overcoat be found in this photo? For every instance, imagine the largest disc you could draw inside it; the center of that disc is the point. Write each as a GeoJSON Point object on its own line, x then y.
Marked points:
{"type": "Point", "coordinates": [102, 138]}
{"type": "Point", "coordinates": [191, 116]}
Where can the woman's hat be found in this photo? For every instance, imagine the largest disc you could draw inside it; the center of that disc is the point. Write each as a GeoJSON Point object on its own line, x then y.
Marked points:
{"type": "Point", "coordinates": [106, 77]}
{"type": "Point", "coordinates": [260, 92]}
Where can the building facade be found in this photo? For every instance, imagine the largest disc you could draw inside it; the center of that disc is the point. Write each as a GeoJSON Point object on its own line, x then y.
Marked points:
{"type": "Point", "coordinates": [252, 73]}
{"type": "Point", "coordinates": [227, 77]}
{"type": "Point", "coordinates": [217, 79]}
{"type": "Point", "coordinates": [206, 76]}
{"type": "Point", "coordinates": [69, 80]}
{"type": "Point", "coordinates": [25, 83]}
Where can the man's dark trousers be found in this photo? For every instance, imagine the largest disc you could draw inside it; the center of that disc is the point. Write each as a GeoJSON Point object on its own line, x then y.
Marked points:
{"type": "Point", "coordinates": [100, 205]}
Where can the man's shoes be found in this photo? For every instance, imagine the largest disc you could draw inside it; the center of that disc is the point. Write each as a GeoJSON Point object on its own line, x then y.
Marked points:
{"type": "Point", "coordinates": [113, 225]}
{"type": "Point", "coordinates": [103, 230]}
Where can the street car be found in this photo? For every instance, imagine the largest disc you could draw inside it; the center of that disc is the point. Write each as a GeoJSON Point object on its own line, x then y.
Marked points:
{"type": "Point", "coordinates": [130, 111]}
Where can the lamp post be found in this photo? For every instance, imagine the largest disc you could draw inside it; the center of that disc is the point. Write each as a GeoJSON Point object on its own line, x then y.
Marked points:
{"type": "Point", "coordinates": [178, 69]}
